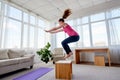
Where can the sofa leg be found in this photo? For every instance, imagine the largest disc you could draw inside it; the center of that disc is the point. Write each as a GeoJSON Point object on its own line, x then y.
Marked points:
{"type": "Point", "coordinates": [53, 62]}
{"type": "Point", "coordinates": [31, 67]}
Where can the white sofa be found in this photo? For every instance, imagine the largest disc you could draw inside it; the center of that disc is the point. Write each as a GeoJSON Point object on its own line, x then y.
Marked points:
{"type": "Point", "coordinates": [58, 54]}
{"type": "Point", "coordinates": [14, 59]}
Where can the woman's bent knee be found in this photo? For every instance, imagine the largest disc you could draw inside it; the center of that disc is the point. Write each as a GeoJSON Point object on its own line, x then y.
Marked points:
{"type": "Point", "coordinates": [62, 42]}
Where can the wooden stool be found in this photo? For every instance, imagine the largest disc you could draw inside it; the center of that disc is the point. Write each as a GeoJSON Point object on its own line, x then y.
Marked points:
{"type": "Point", "coordinates": [63, 69]}
{"type": "Point", "coordinates": [99, 61]}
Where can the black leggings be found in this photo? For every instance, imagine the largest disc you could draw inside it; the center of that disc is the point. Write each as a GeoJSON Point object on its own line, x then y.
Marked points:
{"type": "Point", "coordinates": [69, 40]}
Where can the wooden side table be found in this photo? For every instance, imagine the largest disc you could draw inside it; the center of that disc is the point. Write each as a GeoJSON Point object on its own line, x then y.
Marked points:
{"type": "Point", "coordinates": [63, 69]}
{"type": "Point", "coordinates": [99, 61]}
{"type": "Point", "coordinates": [91, 50]}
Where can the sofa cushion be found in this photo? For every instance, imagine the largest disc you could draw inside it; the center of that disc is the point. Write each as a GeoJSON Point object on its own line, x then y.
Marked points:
{"type": "Point", "coordinates": [16, 53]}
{"type": "Point", "coordinates": [8, 62]}
{"type": "Point", "coordinates": [3, 54]}
{"type": "Point", "coordinates": [23, 59]}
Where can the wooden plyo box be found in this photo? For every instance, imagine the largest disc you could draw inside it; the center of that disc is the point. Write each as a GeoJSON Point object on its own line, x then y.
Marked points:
{"type": "Point", "coordinates": [63, 69]}
{"type": "Point", "coordinates": [99, 61]}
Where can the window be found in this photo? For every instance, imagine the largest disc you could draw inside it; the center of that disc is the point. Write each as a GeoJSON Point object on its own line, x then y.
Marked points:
{"type": "Point", "coordinates": [41, 38]}
{"type": "Point", "coordinates": [59, 38]}
{"type": "Point", "coordinates": [3, 33]}
{"type": "Point", "coordinates": [70, 22]}
{"type": "Point", "coordinates": [86, 36]}
{"type": "Point", "coordinates": [114, 26]}
{"type": "Point", "coordinates": [79, 30]}
{"type": "Point", "coordinates": [13, 28]}
{"type": "Point", "coordinates": [0, 25]}
{"type": "Point", "coordinates": [25, 36]}
{"type": "Point", "coordinates": [41, 23]}
{"type": "Point", "coordinates": [115, 13]}
{"type": "Point", "coordinates": [13, 34]}
{"type": "Point", "coordinates": [31, 39]}
{"type": "Point", "coordinates": [6, 9]}
{"type": "Point", "coordinates": [0, 6]}
{"type": "Point", "coordinates": [32, 20]}
{"type": "Point", "coordinates": [84, 20]}
{"type": "Point", "coordinates": [15, 13]}
{"type": "Point", "coordinates": [78, 21]}
{"type": "Point", "coordinates": [99, 34]}
{"type": "Point", "coordinates": [25, 17]}
{"type": "Point", "coordinates": [98, 17]}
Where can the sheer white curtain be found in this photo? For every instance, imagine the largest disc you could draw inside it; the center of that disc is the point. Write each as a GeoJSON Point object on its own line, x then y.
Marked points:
{"type": "Point", "coordinates": [113, 33]}
{"type": "Point", "coordinates": [0, 31]}
{"type": "Point", "coordinates": [113, 17]}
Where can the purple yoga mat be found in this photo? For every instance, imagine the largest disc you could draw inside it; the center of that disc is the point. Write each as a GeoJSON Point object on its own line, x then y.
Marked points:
{"type": "Point", "coordinates": [34, 74]}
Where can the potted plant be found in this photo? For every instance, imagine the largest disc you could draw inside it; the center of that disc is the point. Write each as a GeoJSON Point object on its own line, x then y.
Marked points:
{"type": "Point", "coordinates": [45, 54]}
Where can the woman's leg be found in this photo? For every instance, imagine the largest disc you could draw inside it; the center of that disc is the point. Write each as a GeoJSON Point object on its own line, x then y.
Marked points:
{"type": "Point", "coordinates": [66, 46]}
{"type": "Point", "coordinates": [67, 41]}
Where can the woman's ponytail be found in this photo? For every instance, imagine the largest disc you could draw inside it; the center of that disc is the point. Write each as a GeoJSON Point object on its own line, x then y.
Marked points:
{"type": "Point", "coordinates": [67, 12]}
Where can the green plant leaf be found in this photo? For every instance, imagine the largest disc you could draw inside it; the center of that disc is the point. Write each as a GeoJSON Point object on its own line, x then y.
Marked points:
{"type": "Point", "coordinates": [45, 54]}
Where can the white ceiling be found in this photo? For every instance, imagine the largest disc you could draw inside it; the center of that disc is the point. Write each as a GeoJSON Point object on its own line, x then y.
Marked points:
{"type": "Point", "coordinates": [53, 9]}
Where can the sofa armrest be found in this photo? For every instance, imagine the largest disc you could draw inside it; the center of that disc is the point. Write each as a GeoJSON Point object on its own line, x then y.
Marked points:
{"type": "Point", "coordinates": [54, 55]}
{"type": "Point", "coordinates": [29, 55]}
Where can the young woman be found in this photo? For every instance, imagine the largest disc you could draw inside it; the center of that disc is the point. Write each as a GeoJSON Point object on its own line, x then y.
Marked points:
{"type": "Point", "coordinates": [73, 35]}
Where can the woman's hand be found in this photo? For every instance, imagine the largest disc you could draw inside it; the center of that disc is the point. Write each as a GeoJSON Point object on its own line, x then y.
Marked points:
{"type": "Point", "coordinates": [55, 31]}
{"type": "Point", "coordinates": [46, 30]}
{"type": "Point", "coordinates": [49, 31]}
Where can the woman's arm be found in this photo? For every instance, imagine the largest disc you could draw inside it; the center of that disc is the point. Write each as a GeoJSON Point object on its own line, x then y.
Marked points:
{"type": "Point", "coordinates": [59, 30]}
{"type": "Point", "coordinates": [54, 29]}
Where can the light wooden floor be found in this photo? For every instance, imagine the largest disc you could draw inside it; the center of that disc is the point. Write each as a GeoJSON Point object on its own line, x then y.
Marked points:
{"type": "Point", "coordinates": [80, 72]}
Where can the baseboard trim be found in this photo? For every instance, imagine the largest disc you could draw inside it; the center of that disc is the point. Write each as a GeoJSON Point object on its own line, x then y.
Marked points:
{"type": "Point", "coordinates": [92, 63]}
